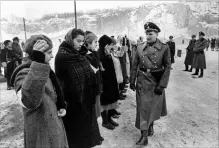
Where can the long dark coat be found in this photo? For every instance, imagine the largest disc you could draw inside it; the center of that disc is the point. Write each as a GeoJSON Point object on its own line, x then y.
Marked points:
{"type": "Point", "coordinates": [172, 48]}
{"type": "Point", "coordinates": [199, 61]}
{"type": "Point", "coordinates": [17, 51]}
{"type": "Point", "coordinates": [189, 53]}
{"type": "Point", "coordinates": [150, 106]}
{"type": "Point", "coordinates": [42, 126]}
{"type": "Point", "coordinates": [110, 92]}
{"type": "Point", "coordinates": [77, 78]}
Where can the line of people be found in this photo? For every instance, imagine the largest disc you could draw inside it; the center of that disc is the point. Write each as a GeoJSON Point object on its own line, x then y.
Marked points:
{"type": "Point", "coordinates": [61, 107]}
{"type": "Point", "coordinates": [195, 56]}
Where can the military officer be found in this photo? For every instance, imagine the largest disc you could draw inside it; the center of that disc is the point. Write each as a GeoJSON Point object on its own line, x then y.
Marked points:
{"type": "Point", "coordinates": [199, 61]}
{"type": "Point", "coordinates": [151, 68]}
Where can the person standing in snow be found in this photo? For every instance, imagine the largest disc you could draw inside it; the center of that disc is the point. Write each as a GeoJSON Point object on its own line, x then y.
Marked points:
{"type": "Point", "coordinates": [110, 94]}
{"type": "Point", "coordinates": [39, 92]}
{"type": "Point", "coordinates": [199, 61]}
{"type": "Point", "coordinates": [90, 48]}
{"type": "Point", "coordinates": [77, 79]}
{"type": "Point", "coordinates": [189, 54]}
{"type": "Point", "coordinates": [16, 48]}
{"type": "Point", "coordinates": [151, 68]}
{"type": "Point", "coordinates": [171, 45]}
{"type": "Point", "coordinates": [8, 60]}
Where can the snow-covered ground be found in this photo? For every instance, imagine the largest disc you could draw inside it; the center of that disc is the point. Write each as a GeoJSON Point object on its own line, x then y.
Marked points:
{"type": "Point", "coordinates": [192, 119]}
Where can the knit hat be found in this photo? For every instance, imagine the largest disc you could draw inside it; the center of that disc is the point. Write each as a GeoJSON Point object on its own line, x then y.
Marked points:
{"type": "Point", "coordinates": [105, 40]}
{"type": "Point", "coordinates": [28, 46]}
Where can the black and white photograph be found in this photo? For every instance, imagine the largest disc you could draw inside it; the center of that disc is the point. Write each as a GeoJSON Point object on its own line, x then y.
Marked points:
{"type": "Point", "coordinates": [109, 74]}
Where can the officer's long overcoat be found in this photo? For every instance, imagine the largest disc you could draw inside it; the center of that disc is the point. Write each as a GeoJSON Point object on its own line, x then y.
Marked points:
{"type": "Point", "coordinates": [150, 106]}
{"type": "Point", "coordinates": [199, 61]}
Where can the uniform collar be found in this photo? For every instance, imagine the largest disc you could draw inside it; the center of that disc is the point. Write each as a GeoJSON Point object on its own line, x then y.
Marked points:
{"type": "Point", "coordinates": [157, 44]}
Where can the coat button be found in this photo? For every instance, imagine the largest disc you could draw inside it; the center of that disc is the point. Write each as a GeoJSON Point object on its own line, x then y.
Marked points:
{"type": "Point", "coordinates": [143, 61]}
{"type": "Point", "coordinates": [155, 66]}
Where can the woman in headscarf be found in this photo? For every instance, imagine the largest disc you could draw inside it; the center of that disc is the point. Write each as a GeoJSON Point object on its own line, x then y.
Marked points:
{"type": "Point", "coordinates": [78, 81]}
{"type": "Point", "coordinates": [90, 48]}
{"type": "Point", "coordinates": [41, 97]}
{"type": "Point", "coordinates": [110, 94]}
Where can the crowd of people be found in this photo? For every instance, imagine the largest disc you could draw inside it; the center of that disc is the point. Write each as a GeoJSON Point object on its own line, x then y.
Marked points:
{"type": "Point", "coordinates": [91, 75]}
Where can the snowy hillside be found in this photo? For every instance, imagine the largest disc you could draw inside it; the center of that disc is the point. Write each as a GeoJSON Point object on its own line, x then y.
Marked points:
{"type": "Point", "coordinates": [177, 19]}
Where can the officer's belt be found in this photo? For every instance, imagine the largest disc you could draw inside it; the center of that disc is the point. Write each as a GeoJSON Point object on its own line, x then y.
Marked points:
{"type": "Point", "coordinates": [151, 70]}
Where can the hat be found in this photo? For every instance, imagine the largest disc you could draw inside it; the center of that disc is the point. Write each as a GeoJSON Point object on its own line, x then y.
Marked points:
{"type": "Point", "coordinates": [171, 37]}
{"type": "Point", "coordinates": [28, 46]}
{"type": "Point", "coordinates": [15, 38]}
{"type": "Point", "coordinates": [149, 26]}
{"type": "Point", "coordinates": [193, 36]}
{"type": "Point", "coordinates": [105, 40]}
{"type": "Point", "coordinates": [201, 33]}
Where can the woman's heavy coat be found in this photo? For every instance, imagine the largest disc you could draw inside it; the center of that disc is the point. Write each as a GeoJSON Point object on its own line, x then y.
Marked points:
{"type": "Point", "coordinates": [42, 126]}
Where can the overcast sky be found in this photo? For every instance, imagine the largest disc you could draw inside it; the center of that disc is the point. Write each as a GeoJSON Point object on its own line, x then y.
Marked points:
{"type": "Point", "coordinates": [35, 9]}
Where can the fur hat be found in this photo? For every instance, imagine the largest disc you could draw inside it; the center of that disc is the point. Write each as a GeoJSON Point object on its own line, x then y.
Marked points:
{"type": "Point", "coordinates": [28, 46]}
{"type": "Point", "coordinates": [149, 26]}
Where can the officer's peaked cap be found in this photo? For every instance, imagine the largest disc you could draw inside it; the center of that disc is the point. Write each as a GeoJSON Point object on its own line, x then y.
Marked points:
{"type": "Point", "coordinates": [149, 26]}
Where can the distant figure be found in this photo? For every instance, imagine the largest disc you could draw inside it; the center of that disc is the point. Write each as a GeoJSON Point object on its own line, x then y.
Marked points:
{"type": "Point", "coordinates": [208, 44]}
{"type": "Point", "coordinates": [171, 45]}
{"type": "Point", "coordinates": [199, 55]}
{"type": "Point", "coordinates": [17, 50]}
{"type": "Point", "coordinates": [212, 44]}
{"type": "Point", "coordinates": [112, 36]}
{"type": "Point", "coordinates": [183, 41]}
{"type": "Point", "coordinates": [60, 41]}
{"type": "Point", "coordinates": [8, 60]}
{"type": "Point", "coordinates": [217, 44]}
{"type": "Point", "coordinates": [189, 54]}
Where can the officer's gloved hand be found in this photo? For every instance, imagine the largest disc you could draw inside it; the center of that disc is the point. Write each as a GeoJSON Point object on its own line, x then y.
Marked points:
{"type": "Point", "coordinates": [132, 87]}
{"type": "Point", "coordinates": [158, 90]}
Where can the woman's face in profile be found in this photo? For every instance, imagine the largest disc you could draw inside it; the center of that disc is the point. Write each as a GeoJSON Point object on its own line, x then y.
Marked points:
{"type": "Point", "coordinates": [78, 42]}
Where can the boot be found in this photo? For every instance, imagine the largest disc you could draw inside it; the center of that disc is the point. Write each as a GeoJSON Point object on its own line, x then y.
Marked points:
{"type": "Point", "coordinates": [196, 72]}
{"type": "Point", "coordinates": [186, 68]}
{"type": "Point", "coordinates": [144, 138]}
{"type": "Point", "coordinates": [151, 130]}
{"type": "Point", "coordinates": [110, 114]}
{"type": "Point", "coordinates": [105, 122]}
{"type": "Point", "coordinates": [190, 70]}
{"type": "Point", "coordinates": [202, 73]}
{"type": "Point", "coordinates": [113, 113]}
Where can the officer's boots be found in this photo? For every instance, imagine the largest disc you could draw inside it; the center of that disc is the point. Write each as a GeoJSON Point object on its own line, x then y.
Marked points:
{"type": "Point", "coordinates": [144, 138]}
{"type": "Point", "coordinates": [151, 130]}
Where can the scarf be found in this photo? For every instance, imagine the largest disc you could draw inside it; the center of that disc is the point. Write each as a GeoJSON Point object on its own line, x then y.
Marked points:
{"type": "Point", "coordinates": [60, 103]}
{"type": "Point", "coordinates": [81, 73]}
